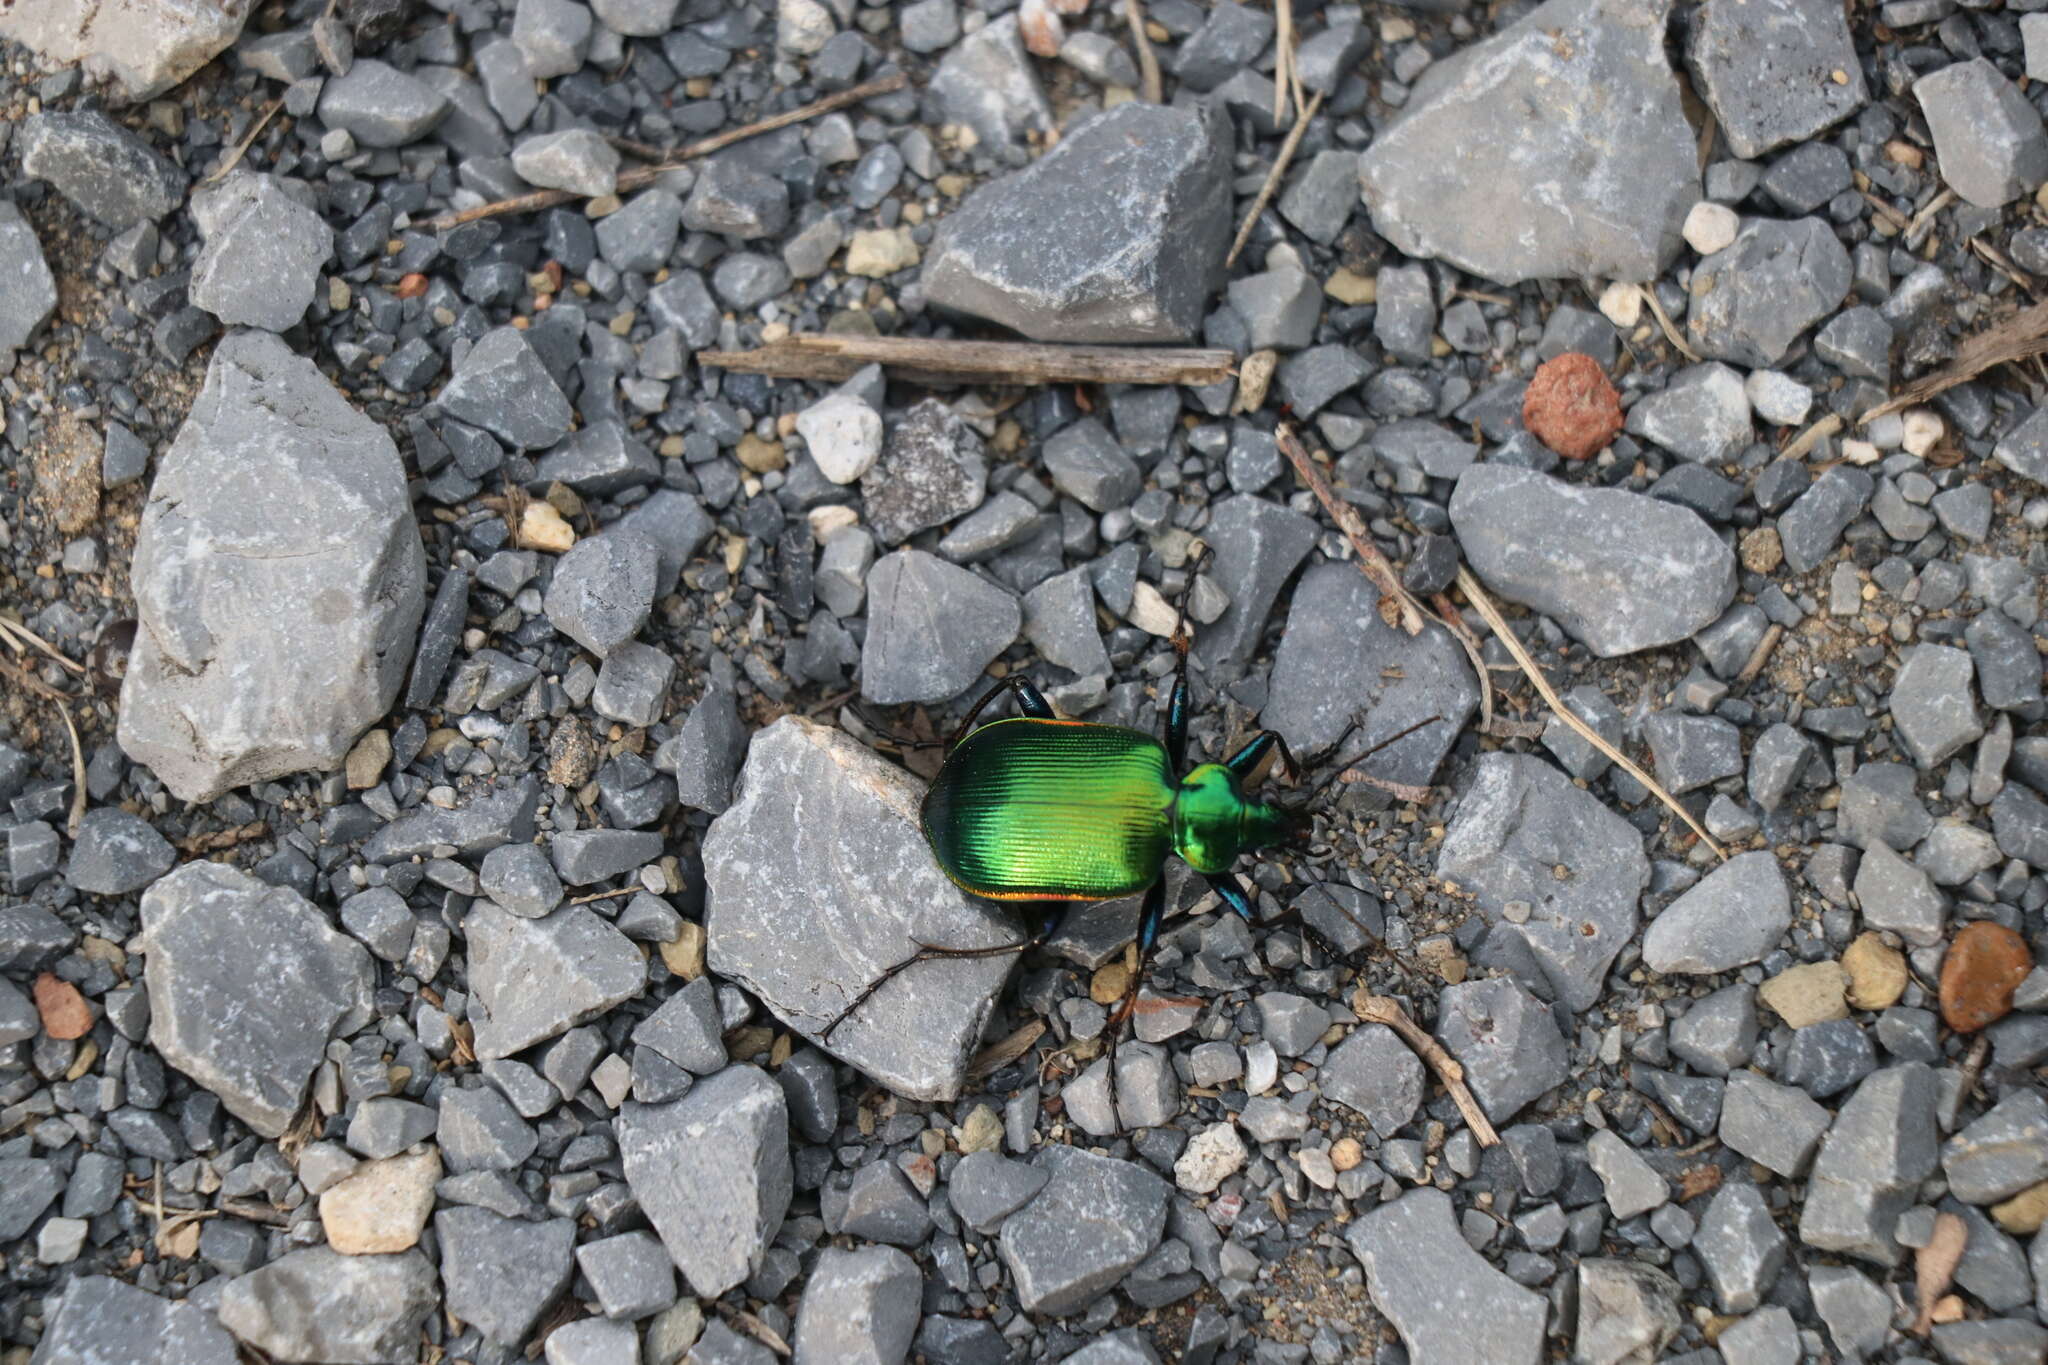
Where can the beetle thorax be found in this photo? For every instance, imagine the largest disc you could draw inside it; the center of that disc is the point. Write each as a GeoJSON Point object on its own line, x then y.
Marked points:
{"type": "Point", "coordinates": [1213, 822]}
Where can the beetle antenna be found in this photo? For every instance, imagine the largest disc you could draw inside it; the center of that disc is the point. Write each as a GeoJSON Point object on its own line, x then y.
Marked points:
{"type": "Point", "coordinates": [1338, 770]}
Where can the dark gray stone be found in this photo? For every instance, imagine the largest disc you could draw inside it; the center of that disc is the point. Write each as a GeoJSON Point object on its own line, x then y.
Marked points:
{"type": "Point", "coordinates": [1733, 917]}
{"type": "Point", "coordinates": [101, 1321]}
{"type": "Point", "coordinates": [1882, 1145]}
{"type": "Point", "coordinates": [1766, 70]}
{"type": "Point", "coordinates": [1443, 1298]}
{"type": "Point", "coordinates": [380, 106]}
{"type": "Point", "coordinates": [107, 172]}
{"type": "Point", "coordinates": [1505, 1039]}
{"type": "Point", "coordinates": [1752, 299]}
{"type": "Point", "coordinates": [500, 1274]}
{"type": "Point", "coordinates": [1095, 1220]}
{"type": "Point", "coordinates": [1256, 547]}
{"type": "Point", "coordinates": [535, 978]}
{"type": "Point", "coordinates": [1987, 135]}
{"type": "Point", "coordinates": [115, 853]}
{"type": "Point", "coordinates": [932, 628]}
{"type": "Point", "coordinates": [603, 590]}
{"type": "Point", "coordinates": [502, 386]}
{"type": "Point", "coordinates": [859, 1306]}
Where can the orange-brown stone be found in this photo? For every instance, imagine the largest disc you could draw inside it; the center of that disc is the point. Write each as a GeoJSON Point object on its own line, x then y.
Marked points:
{"type": "Point", "coordinates": [1985, 964]}
{"type": "Point", "coordinates": [1570, 406]}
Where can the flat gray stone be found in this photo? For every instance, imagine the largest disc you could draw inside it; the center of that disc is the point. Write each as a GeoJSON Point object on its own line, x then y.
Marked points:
{"type": "Point", "coordinates": [933, 628]}
{"type": "Point", "coordinates": [1094, 1221]}
{"type": "Point", "coordinates": [818, 880]}
{"type": "Point", "coordinates": [1115, 235]}
{"type": "Point", "coordinates": [1701, 414]}
{"type": "Point", "coordinates": [115, 853]}
{"type": "Point", "coordinates": [712, 1172]}
{"type": "Point", "coordinates": [1619, 570]}
{"type": "Point", "coordinates": [1506, 1040]}
{"type": "Point", "coordinates": [1773, 1125]}
{"type": "Point", "coordinates": [860, 1307]}
{"type": "Point", "coordinates": [1733, 917]}
{"type": "Point", "coordinates": [2002, 1152]}
{"type": "Point", "coordinates": [102, 1321]}
{"type": "Point", "coordinates": [1444, 1299]}
{"type": "Point", "coordinates": [1753, 298]}
{"type": "Point", "coordinates": [1988, 138]}
{"type": "Point", "coordinates": [1932, 705]}
{"type": "Point", "coordinates": [1555, 149]}
{"type": "Point", "coordinates": [534, 978]}
{"type": "Point", "coordinates": [316, 1304]}
{"type": "Point", "coordinates": [1883, 1143]}
{"type": "Point", "coordinates": [1897, 896]}
{"type": "Point", "coordinates": [1256, 546]}
{"type": "Point", "coordinates": [263, 255]}
{"type": "Point", "coordinates": [498, 1274]}
{"type": "Point", "coordinates": [1627, 1311]}
{"type": "Point", "coordinates": [1521, 820]}
{"type": "Point", "coordinates": [381, 106]}
{"type": "Point", "coordinates": [988, 83]}
{"type": "Point", "coordinates": [931, 471]}
{"type": "Point", "coordinates": [1809, 528]}
{"type": "Point", "coordinates": [1377, 1075]}
{"type": "Point", "coordinates": [502, 386]}
{"type": "Point", "coordinates": [279, 580]}
{"type": "Point", "coordinates": [31, 294]}
{"type": "Point", "coordinates": [106, 171]}
{"type": "Point", "coordinates": [603, 590]}
{"type": "Point", "coordinates": [1766, 68]}
{"type": "Point", "coordinates": [209, 931]}
{"type": "Point", "coordinates": [1857, 1313]}
{"type": "Point", "coordinates": [1740, 1246]}
{"type": "Point", "coordinates": [1339, 661]}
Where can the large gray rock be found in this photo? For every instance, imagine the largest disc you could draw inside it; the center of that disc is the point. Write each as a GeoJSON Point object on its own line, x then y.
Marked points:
{"type": "Point", "coordinates": [1257, 545]}
{"type": "Point", "coordinates": [1517, 824]}
{"type": "Point", "coordinates": [1555, 149]}
{"type": "Point", "coordinates": [136, 48]}
{"type": "Point", "coordinates": [1884, 1142]}
{"type": "Point", "coordinates": [932, 628]}
{"type": "Point", "coordinates": [1094, 1221]}
{"type": "Point", "coordinates": [1447, 1303]}
{"type": "Point", "coordinates": [106, 171]}
{"type": "Point", "coordinates": [1117, 234]}
{"type": "Point", "coordinates": [711, 1171]}
{"type": "Point", "coordinates": [1506, 1040]}
{"type": "Point", "coordinates": [860, 1307]}
{"type": "Point", "coordinates": [31, 293]}
{"type": "Point", "coordinates": [1736, 915]}
{"type": "Point", "coordinates": [1931, 703]}
{"type": "Point", "coordinates": [535, 978]}
{"type": "Point", "coordinates": [1766, 68]}
{"type": "Point", "coordinates": [246, 985]}
{"type": "Point", "coordinates": [279, 580]}
{"type": "Point", "coordinates": [1988, 138]}
{"type": "Point", "coordinates": [500, 1274]}
{"type": "Point", "coordinates": [502, 386]}
{"type": "Point", "coordinates": [381, 106]}
{"type": "Point", "coordinates": [1753, 298]}
{"type": "Point", "coordinates": [102, 1321]}
{"type": "Point", "coordinates": [317, 1305]}
{"type": "Point", "coordinates": [1621, 571]}
{"type": "Point", "coordinates": [817, 881]}
{"type": "Point", "coordinates": [263, 254]}
{"type": "Point", "coordinates": [988, 83]}
{"type": "Point", "coordinates": [1339, 661]}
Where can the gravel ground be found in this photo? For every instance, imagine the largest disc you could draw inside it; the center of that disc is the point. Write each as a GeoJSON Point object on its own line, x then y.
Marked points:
{"type": "Point", "coordinates": [468, 929]}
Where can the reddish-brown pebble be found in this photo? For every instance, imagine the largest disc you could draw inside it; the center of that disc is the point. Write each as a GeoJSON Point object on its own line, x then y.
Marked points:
{"type": "Point", "coordinates": [63, 1010]}
{"type": "Point", "coordinates": [1985, 964]}
{"type": "Point", "coordinates": [1570, 406]}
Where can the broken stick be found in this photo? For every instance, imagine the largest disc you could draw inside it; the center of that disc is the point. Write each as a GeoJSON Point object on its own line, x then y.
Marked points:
{"type": "Point", "coordinates": [835, 356]}
{"type": "Point", "coordinates": [2023, 334]}
{"type": "Point", "coordinates": [641, 176]}
{"type": "Point", "coordinates": [1375, 564]}
{"type": "Point", "coordinates": [1381, 1009]}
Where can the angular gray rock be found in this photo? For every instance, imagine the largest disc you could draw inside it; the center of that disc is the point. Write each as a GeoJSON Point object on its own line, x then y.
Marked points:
{"type": "Point", "coordinates": [1627, 1311]}
{"type": "Point", "coordinates": [2001, 1153]}
{"type": "Point", "coordinates": [106, 171]}
{"type": "Point", "coordinates": [102, 1321]}
{"type": "Point", "coordinates": [136, 48]}
{"type": "Point", "coordinates": [1506, 1040]}
{"type": "Point", "coordinates": [2024, 449]}
{"type": "Point", "coordinates": [381, 106]}
{"type": "Point", "coordinates": [1884, 1142]}
{"type": "Point", "coordinates": [116, 852]}
{"type": "Point", "coordinates": [279, 580]}
{"type": "Point", "coordinates": [1256, 546]}
{"type": "Point", "coordinates": [1932, 705]}
{"type": "Point", "coordinates": [1340, 661]}
{"type": "Point", "coordinates": [1773, 1125]}
{"type": "Point", "coordinates": [1520, 821]}
{"type": "Point", "coordinates": [1555, 149]}
{"type": "Point", "coordinates": [500, 1274]}
{"type": "Point", "coordinates": [317, 1305]}
{"type": "Point", "coordinates": [711, 1171]}
{"type": "Point", "coordinates": [932, 628]}
{"type": "Point", "coordinates": [1897, 896]}
{"type": "Point", "coordinates": [818, 880]}
{"type": "Point", "coordinates": [603, 589]}
{"type": "Point", "coordinates": [1740, 1246]}
{"type": "Point", "coordinates": [988, 83]}
{"type": "Point", "coordinates": [1621, 571]}
{"type": "Point", "coordinates": [1702, 414]}
{"type": "Point", "coordinates": [1766, 68]}
{"type": "Point", "coordinates": [534, 978]}
{"type": "Point", "coordinates": [1753, 298]}
{"type": "Point", "coordinates": [246, 985]}
{"type": "Point", "coordinates": [1809, 528]}
{"type": "Point", "coordinates": [502, 386]}
{"type": "Point", "coordinates": [1733, 917]}
{"type": "Point", "coordinates": [1988, 137]}
{"type": "Point", "coordinates": [263, 254]}
{"type": "Point", "coordinates": [1632, 1185]}
{"type": "Point", "coordinates": [860, 1307]}
{"type": "Point", "coordinates": [1443, 1297]}
{"type": "Point", "coordinates": [1377, 1075]}
{"type": "Point", "coordinates": [1857, 1313]}
{"type": "Point", "coordinates": [31, 294]}
{"type": "Point", "coordinates": [930, 472]}
{"type": "Point", "coordinates": [1116, 234]}
{"type": "Point", "coordinates": [1094, 1221]}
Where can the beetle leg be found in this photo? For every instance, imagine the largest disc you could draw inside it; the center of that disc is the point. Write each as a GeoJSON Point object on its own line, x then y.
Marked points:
{"type": "Point", "coordinates": [1149, 919]}
{"type": "Point", "coordinates": [1030, 701]}
{"type": "Point", "coordinates": [926, 952]}
{"type": "Point", "coordinates": [1233, 896]}
{"type": "Point", "coordinates": [1247, 761]}
{"type": "Point", "coordinates": [1175, 727]}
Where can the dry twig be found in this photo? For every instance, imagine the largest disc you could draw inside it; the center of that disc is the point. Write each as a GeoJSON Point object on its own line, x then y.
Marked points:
{"type": "Point", "coordinates": [29, 682]}
{"type": "Point", "coordinates": [647, 175]}
{"type": "Point", "coordinates": [1462, 633]}
{"type": "Point", "coordinates": [2019, 337]}
{"type": "Point", "coordinates": [834, 356]}
{"type": "Point", "coordinates": [1664, 321]}
{"type": "Point", "coordinates": [1001, 1053]}
{"type": "Point", "coordinates": [1476, 595]}
{"type": "Point", "coordinates": [1381, 1009]}
{"type": "Point", "coordinates": [1798, 446]}
{"type": "Point", "coordinates": [1371, 562]}
{"type": "Point", "coordinates": [248, 141]}
{"type": "Point", "coordinates": [1759, 656]}
{"type": "Point", "coordinates": [1149, 83]}
{"type": "Point", "coordinates": [1280, 163]}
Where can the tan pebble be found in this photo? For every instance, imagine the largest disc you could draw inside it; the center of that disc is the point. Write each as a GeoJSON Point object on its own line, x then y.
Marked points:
{"type": "Point", "coordinates": [2024, 1213]}
{"type": "Point", "coordinates": [381, 1206]}
{"type": "Point", "coordinates": [1345, 1153]}
{"type": "Point", "coordinates": [1811, 993]}
{"type": "Point", "coordinates": [1762, 551]}
{"type": "Point", "coordinates": [364, 765]}
{"type": "Point", "coordinates": [760, 456]}
{"type": "Point", "coordinates": [1110, 983]}
{"type": "Point", "coordinates": [541, 528]}
{"type": "Point", "coordinates": [684, 955]}
{"type": "Point", "coordinates": [1877, 973]}
{"type": "Point", "coordinates": [1351, 288]}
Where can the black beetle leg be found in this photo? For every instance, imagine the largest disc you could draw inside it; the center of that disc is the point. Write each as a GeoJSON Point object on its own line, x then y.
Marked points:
{"type": "Point", "coordinates": [1030, 701]}
{"type": "Point", "coordinates": [1149, 918]}
{"type": "Point", "coordinates": [926, 952]}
